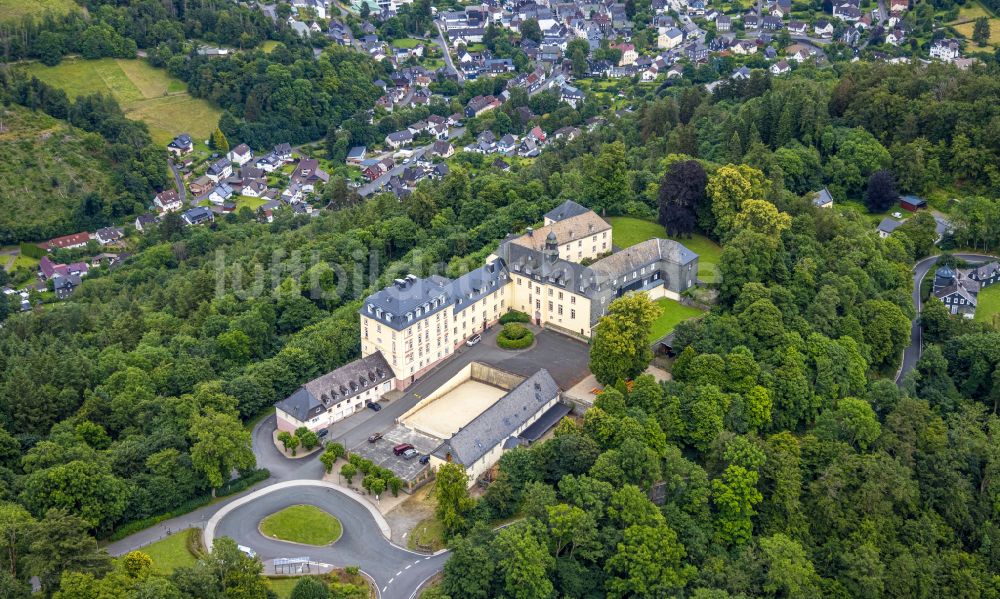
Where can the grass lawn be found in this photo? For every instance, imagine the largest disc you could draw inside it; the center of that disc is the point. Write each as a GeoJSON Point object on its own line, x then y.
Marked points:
{"type": "Point", "coordinates": [671, 313]}
{"type": "Point", "coordinates": [406, 42]}
{"type": "Point", "coordinates": [13, 10]}
{"type": "Point", "coordinates": [475, 47]}
{"type": "Point", "coordinates": [146, 93]}
{"type": "Point", "coordinates": [170, 553]}
{"type": "Point", "coordinates": [251, 203]}
{"type": "Point", "coordinates": [283, 586]}
{"type": "Point", "coordinates": [22, 261]}
{"type": "Point", "coordinates": [268, 46]}
{"type": "Point", "coordinates": [427, 535]}
{"type": "Point", "coordinates": [302, 524]}
{"type": "Point", "coordinates": [988, 309]}
{"type": "Point", "coordinates": [627, 231]}
{"type": "Point", "coordinates": [969, 14]}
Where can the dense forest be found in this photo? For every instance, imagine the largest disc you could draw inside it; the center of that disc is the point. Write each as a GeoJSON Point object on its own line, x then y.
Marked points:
{"type": "Point", "coordinates": [782, 458]}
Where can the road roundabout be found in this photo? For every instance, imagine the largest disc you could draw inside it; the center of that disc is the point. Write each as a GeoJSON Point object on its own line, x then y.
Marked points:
{"type": "Point", "coordinates": [364, 542]}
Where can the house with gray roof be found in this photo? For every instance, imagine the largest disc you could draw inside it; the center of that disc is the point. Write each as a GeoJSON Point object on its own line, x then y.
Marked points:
{"type": "Point", "coordinates": [567, 209]}
{"type": "Point", "coordinates": [480, 444]}
{"type": "Point", "coordinates": [887, 226]}
{"type": "Point", "coordinates": [336, 395]}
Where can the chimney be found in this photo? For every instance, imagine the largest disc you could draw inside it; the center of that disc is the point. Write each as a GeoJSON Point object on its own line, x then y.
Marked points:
{"type": "Point", "coordinates": [400, 283]}
{"type": "Point", "coordinates": [530, 231]}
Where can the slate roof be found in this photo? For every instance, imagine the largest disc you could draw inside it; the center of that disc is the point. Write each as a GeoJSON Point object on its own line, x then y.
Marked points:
{"type": "Point", "coordinates": [642, 254]}
{"type": "Point", "coordinates": [567, 209]}
{"type": "Point", "coordinates": [424, 297]}
{"type": "Point", "coordinates": [501, 420]}
{"type": "Point", "coordinates": [823, 197]}
{"type": "Point", "coordinates": [349, 380]}
{"type": "Point", "coordinates": [888, 225]}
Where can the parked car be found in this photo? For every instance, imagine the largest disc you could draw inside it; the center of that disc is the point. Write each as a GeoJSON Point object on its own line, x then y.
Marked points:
{"type": "Point", "coordinates": [323, 432]}
{"type": "Point", "coordinates": [374, 407]}
{"type": "Point", "coordinates": [401, 448]}
{"type": "Point", "coordinates": [248, 551]}
{"type": "Point", "coordinates": [474, 340]}
{"type": "Point", "coordinates": [424, 459]}
{"type": "Point", "coordinates": [375, 437]}
{"type": "Point", "coordinates": [410, 453]}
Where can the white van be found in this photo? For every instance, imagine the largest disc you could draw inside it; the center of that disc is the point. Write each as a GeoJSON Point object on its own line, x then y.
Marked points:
{"type": "Point", "coordinates": [250, 552]}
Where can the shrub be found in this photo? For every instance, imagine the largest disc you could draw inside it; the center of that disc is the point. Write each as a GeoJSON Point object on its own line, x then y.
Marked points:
{"type": "Point", "coordinates": [514, 316]}
{"type": "Point", "coordinates": [515, 336]}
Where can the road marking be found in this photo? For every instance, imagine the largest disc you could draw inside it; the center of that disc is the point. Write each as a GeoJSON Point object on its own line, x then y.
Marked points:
{"type": "Point", "coordinates": [418, 561]}
{"type": "Point", "coordinates": [397, 574]}
{"type": "Point", "coordinates": [390, 580]}
{"type": "Point", "coordinates": [427, 558]}
{"type": "Point", "coordinates": [384, 588]}
{"type": "Point", "coordinates": [408, 566]}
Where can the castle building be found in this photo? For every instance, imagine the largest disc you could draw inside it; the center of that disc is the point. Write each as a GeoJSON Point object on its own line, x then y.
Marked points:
{"type": "Point", "coordinates": [417, 322]}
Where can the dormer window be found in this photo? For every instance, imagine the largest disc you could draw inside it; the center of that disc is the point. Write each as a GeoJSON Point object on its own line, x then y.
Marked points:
{"type": "Point", "coordinates": [409, 316]}
{"type": "Point", "coordinates": [371, 308]}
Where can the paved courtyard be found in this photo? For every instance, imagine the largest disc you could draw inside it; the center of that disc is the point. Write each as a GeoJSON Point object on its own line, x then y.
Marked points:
{"type": "Point", "coordinates": [444, 416]}
{"type": "Point", "coordinates": [565, 358]}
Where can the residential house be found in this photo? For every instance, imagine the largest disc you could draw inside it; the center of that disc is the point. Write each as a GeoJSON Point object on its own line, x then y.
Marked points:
{"type": "Point", "coordinates": [629, 55]}
{"type": "Point", "coordinates": [167, 201]}
{"type": "Point", "coordinates": [957, 290]}
{"type": "Point", "coordinates": [181, 145]}
{"type": "Point", "coordinates": [201, 185]}
{"type": "Point", "coordinates": [744, 48]}
{"type": "Point", "coordinates": [500, 164]}
{"type": "Point", "coordinates": [823, 28]}
{"type": "Point", "coordinates": [780, 68]}
{"type": "Point", "coordinates": [723, 23]}
{"type": "Point", "coordinates": [442, 149]}
{"type": "Point", "coordinates": [220, 194]}
{"type": "Point", "coordinates": [63, 286]}
{"type": "Point", "coordinates": [356, 155]}
{"type": "Point", "coordinates": [571, 95]}
{"type": "Point", "coordinates": [946, 49]}
{"type": "Point", "coordinates": [197, 216]}
{"type": "Point", "coordinates": [506, 143]}
{"type": "Point", "coordinates": [669, 37]}
{"type": "Point", "coordinates": [751, 21]}
{"type": "Point", "coordinates": [253, 188]}
{"type": "Point", "coordinates": [823, 199]}
{"type": "Point", "coordinates": [887, 226]}
{"type": "Point", "coordinates": [398, 139]}
{"type": "Point", "coordinates": [109, 235]}
{"type": "Point", "coordinates": [798, 28]}
{"type": "Point", "coordinates": [567, 133]}
{"type": "Point", "coordinates": [240, 155]}
{"type": "Point", "coordinates": [307, 173]}
{"type": "Point", "coordinates": [283, 152]}
{"type": "Point", "coordinates": [771, 23]}
{"type": "Point", "coordinates": [481, 104]}
{"type": "Point", "coordinates": [219, 170]}
{"type": "Point", "coordinates": [145, 220]}
{"type": "Point", "coordinates": [846, 12]}
{"type": "Point", "coordinates": [67, 242]}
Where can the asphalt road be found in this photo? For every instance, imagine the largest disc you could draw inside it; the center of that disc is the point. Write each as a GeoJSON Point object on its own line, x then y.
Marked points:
{"type": "Point", "coordinates": [396, 571]}
{"type": "Point", "coordinates": [371, 187]}
{"type": "Point", "coordinates": [443, 44]}
{"type": "Point", "coordinates": [912, 352]}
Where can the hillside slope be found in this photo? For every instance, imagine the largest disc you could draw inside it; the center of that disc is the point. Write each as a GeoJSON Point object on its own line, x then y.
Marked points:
{"type": "Point", "coordinates": [47, 168]}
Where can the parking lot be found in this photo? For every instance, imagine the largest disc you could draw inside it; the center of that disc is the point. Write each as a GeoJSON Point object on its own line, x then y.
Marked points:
{"type": "Point", "coordinates": [565, 358]}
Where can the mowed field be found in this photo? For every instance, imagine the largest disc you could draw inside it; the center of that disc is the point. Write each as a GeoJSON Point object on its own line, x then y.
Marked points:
{"type": "Point", "coordinates": [14, 10]}
{"type": "Point", "coordinates": [969, 14]}
{"type": "Point", "coordinates": [146, 93]}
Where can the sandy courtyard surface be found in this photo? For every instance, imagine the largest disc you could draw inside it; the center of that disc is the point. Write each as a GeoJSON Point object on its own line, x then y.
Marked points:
{"type": "Point", "coordinates": [443, 417]}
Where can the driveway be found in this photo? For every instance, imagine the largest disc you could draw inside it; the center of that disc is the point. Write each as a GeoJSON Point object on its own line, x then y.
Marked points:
{"type": "Point", "coordinates": [912, 352]}
{"type": "Point", "coordinates": [396, 571]}
{"type": "Point", "coordinates": [565, 358]}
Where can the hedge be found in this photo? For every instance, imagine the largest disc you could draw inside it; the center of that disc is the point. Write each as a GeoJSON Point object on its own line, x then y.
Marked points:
{"type": "Point", "coordinates": [515, 336]}
{"type": "Point", "coordinates": [514, 316]}
{"type": "Point", "coordinates": [230, 488]}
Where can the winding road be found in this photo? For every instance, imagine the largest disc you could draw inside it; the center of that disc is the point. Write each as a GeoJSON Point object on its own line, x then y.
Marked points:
{"type": "Point", "coordinates": [912, 352]}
